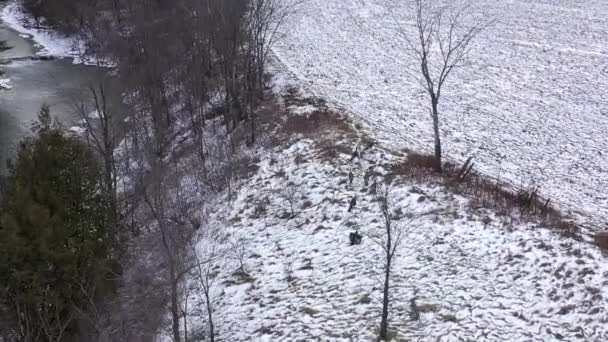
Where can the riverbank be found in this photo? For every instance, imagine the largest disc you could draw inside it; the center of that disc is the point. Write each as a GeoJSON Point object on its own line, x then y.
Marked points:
{"type": "Point", "coordinates": [38, 69]}
{"type": "Point", "coordinates": [45, 42]}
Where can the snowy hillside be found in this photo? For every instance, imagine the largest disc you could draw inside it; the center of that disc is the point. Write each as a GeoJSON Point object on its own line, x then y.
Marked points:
{"type": "Point", "coordinates": [463, 273]}
{"type": "Point", "coordinates": [271, 258]}
{"type": "Point", "coordinates": [533, 104]}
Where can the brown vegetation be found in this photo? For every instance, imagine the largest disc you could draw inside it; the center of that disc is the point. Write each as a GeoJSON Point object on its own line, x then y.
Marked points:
{"type": "Point", "coordinates": [487, 192]}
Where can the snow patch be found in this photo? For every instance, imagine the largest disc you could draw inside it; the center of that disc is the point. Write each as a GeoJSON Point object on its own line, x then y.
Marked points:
{"type": "Point", "coordinates": [303, 110]}
{"type": "Point", "coordinates": [77, 130]}
{"type": "Point", "coordinates": [5, 83]}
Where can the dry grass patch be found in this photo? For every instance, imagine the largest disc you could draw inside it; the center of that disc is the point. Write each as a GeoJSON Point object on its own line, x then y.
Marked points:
{"type": "Point", "coordinates": [316, 122]}
{"type": "Point", "coordinates": [417, 166]}
{"type": "Point", "coordinates": [485, 192]}
{"type": "Point", "coordinates": [294, 98]}
{"type": "Point", "coordinates": [601, 240]}
{"type": "Point", "coordinates": [246, 166]}
{"type": "Point", "coordinates": [331, 150]}
{"type": "Point", "coordinates": [279, 124]}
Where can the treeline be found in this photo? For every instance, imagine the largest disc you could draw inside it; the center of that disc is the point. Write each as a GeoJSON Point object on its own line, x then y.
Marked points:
{"type": "Point", "coordinates": [99, 231]}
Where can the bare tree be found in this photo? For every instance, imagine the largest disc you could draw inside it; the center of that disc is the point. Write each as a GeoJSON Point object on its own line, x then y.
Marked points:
{"type": "Point", "coordinates": [54, 323]}
{"type": "Point", "coordinates": [292, 194]}
{"type": "Point", "coordinates": [264, 21]}
{"type": "Point", "coordinates": [389, 238]}
{"type": "Point", "coordinates": [99, 111]}
{"type": "Point", "coordinates": [227, 38]}
{"type": "Point", "coordinates": [209, 254]}
{"type": "Point", "coordinates": [442, 40]}
{"type": "Point", "coordinates": [138, 312]}
{"type": "Point", "coordinates": [149, 77]}
{"type": "Point", "coordinates": [159, 182]}
{"type": "Point", "coordinates": [239, 245]}
{"type": "Point", "coordinates": [288, 269]}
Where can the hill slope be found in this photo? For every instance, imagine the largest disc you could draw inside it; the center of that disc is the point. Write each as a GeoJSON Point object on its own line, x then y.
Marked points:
{"type": "Point", "coordinates": [468, 272]}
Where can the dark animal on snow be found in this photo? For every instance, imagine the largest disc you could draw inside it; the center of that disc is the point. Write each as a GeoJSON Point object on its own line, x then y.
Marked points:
{"type": "Point", "coordinates": [355, 238]}
{"type": "Point", "coordinates": [414, 311]}
{"type": "Point", "coordinates": [355, 154]}
{"type": "Point", "coordinates": [352, 204]}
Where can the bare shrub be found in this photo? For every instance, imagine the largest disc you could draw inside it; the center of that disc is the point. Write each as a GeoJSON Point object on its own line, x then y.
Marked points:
{"type": "Point", "coordinates": [330, 150]}
{"type": "Point", "coordinates": [260, 208]}
{"type": "Point", "coordinates": [487, 192]}
{"type": "Point", "coordinates": [525, 200]}
{"type": "Point", "coordinates": [568, 229]}
{"type": "Point", "coordinates": [417, 165]}
{"type": "Point", "coordinates": [288, 270]}
{"type": "Point", "coordinates": [291, 194]}
{"type": "Point", "coordinates": [316, 122]}
{"type": "Point", "coordinates": [239, 245]}
{"type": "Point", "coordinates": [209, 255]}
{"type": "Point", "coordinates": [294, 98]}
{"type": "Point", "coordinates": [246, 166]}
{"type": "Point", "coordinates": [601, 240]}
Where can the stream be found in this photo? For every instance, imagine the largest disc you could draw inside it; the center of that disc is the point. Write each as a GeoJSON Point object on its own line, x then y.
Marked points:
{"type": "Point", "coordinates": [57, 82]}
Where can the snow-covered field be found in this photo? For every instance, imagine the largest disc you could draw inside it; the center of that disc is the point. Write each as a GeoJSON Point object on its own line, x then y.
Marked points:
{"type": "Point", "coordinates": [472, 275]}
{"type": "Point", "coordinates": [532, 105]}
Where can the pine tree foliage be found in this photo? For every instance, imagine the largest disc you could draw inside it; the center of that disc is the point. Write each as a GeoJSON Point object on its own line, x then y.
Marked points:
{"type": "Point", "coordinates": [54, 243]}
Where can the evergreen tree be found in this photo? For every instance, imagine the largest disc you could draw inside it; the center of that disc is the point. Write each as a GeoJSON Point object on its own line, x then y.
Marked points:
{"type": "Point", "coordinates": [54, 243]}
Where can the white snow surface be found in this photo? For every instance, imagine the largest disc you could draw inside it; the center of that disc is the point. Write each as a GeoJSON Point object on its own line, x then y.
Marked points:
{"type": "Point", "coordinates": [532, 103]}
{"type": "Point", "coordinates": [6, 83]}
{"type": "Point", "coordinates": [475, 276]}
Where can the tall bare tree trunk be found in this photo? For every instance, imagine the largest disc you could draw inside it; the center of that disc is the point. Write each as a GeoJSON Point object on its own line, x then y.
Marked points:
{"type": "Point", "coordinates": [252, 128]}
{"type": "Point", "coordinates": [440, 44]}
{"type": "Point", "coordinates": [385, 299]}
{"type": "Point", "coordinates": [435, 114]}
{"type": "Point", "coordinates": [210, 316]}
{"type": "Point", "coordinates": [387, 271]}
{"type": "Point", "coordinates": [174, 304]}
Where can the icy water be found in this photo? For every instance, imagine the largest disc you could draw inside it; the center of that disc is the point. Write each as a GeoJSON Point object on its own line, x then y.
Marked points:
{"type": "Point", "coordinates": [59, 83]}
